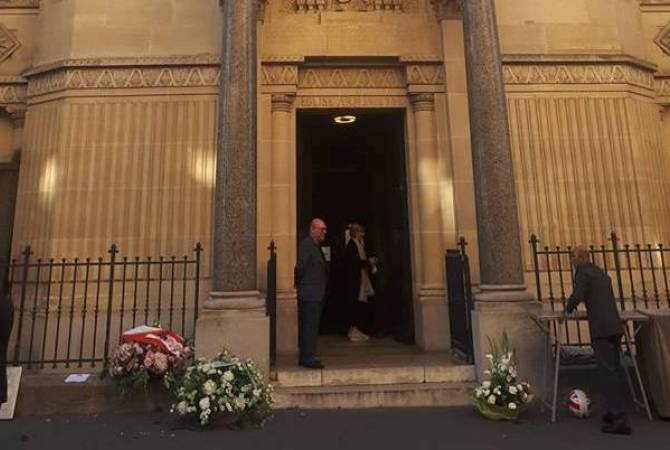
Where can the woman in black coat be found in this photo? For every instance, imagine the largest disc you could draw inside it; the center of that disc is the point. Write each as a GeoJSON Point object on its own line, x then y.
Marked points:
{"type": "Point", "coordinates": [6, 316]}
{"type": "Point", "coordinates": [356, 281]}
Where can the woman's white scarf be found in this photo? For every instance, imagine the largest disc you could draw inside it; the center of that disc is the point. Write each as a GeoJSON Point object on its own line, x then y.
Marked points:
{"type": "Point", "coordinates": [366, 290]}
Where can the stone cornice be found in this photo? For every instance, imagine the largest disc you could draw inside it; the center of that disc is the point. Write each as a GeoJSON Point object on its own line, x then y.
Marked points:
{"type": "Point", "coordinates": [19, 4]}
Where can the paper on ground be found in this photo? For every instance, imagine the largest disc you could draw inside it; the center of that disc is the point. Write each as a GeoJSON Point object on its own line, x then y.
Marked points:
{"type": "Point", "coordinates": [77, 377]}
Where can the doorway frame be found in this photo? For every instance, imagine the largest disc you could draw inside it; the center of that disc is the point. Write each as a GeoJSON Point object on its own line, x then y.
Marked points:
{"type": "Point", "coordinates": [305, 170]}
{"type": "Point", "coordinates": [417, 88]}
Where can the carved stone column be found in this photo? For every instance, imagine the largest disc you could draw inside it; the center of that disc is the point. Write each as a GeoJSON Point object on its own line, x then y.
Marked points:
{"type": "Point", "coordinates": [234, 252]}
{"type": "Point", "coordinates": [283, 176]}
{"type": "Point", "coordinates": [234, 315]}
{"type": "Point", "coordinates": [432, 334]}
{"type": "Point", "coordinates": [429, 192]}
{"type": "Point", "coordinates": [497, 215]}
{"type": "Point", "coordinates": [503, 303]}
{"type": "Point", "coordinates": [283, 220]}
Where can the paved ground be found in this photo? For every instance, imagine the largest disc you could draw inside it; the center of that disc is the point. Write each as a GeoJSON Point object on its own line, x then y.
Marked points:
{"type": "Point", "coordinates": [406, 429]}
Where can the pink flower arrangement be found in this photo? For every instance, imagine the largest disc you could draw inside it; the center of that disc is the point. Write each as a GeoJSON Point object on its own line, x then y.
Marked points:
{"type": "Point", "coordinates": [145, 356]}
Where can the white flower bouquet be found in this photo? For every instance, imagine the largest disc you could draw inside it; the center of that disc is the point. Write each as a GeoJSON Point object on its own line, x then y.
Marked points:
{"type": "Point", "coordinates": [148, 356]}
{"type": "Point", "coordinates": [225, 388]}
{"type": "Point", "coordinates": [502, 396]}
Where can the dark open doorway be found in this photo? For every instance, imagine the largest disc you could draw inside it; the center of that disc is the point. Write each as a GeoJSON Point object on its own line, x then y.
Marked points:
{"type": "Point", "coordinates": [355, 172]}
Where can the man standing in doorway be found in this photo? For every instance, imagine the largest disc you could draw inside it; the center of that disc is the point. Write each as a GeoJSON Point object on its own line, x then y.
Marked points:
{"type": "Point", "coordinates": [311, 276]}
{"type": "Point", "coordinates": [594, 288]}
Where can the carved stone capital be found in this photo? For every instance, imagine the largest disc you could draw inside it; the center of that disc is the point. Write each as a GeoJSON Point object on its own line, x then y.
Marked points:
{"type": "Point", "coordinates": [423, 102]}
{"type": "Point", "coordinates": [282, 102]}
{"type": "Point", "coordinates": [446, 9]}
{"type": "Point", "coordinates": [17, 114]}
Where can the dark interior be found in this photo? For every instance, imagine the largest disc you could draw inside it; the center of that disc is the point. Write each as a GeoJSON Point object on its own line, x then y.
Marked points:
{"type": "Point", "coordinates": [356, 173]}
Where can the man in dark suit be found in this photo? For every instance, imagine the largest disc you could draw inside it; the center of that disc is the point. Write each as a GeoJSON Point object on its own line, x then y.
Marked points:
{"type": "Point", "coordinates": [311, 276]}
{"type": "Point", "coordinates": [594, 287]}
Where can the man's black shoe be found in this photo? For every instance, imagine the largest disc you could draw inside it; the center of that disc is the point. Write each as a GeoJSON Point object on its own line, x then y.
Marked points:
{"type": "Point", "coordinates": [314, 364]}
{"type": "Point", "coordinates": [610, 418]}
{"type": "Point", "coordinates": [616, 428]}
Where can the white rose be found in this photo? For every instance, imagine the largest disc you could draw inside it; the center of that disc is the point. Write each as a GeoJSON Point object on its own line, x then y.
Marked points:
{"type": "Point", "coordinates": [489, 356]}
{"type": "Point", "coordinates": [512, 405]}
{"type": "Point", "coordinates": [492, 399]}
{"type": "Point", "coordinates": [228, 375]}
{"type": "Point", "coordinates": [204, 403]}
{"type": "Point", "coordinates": [486, 384]}
{"type": "Point", "coordinates": [513, 390]}
{"type": "Point", "coordinates": [182, 408]}
{"type": "Point", "coordinates": [209, 387]}
{"type": "Point", "coordinates": [240, 403]}
{"type": "Point", "coordinates": [487, 372]}
{"type": "Point", "coordinates": [257, 392]}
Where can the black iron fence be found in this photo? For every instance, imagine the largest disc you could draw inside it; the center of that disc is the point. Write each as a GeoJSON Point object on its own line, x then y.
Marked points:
{"type": "Point", "coordinates": [271, 300]}
{"type": "Point", "coordinates": [70, 312]}
{"type": "Point", "coordinates": [459, 292]}
{"type": "Point", "coordinates": [639, 275]}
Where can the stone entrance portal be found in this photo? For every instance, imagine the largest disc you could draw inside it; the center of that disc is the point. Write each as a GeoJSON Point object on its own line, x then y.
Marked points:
{"type": "Point", "coordinates": [288, 88]}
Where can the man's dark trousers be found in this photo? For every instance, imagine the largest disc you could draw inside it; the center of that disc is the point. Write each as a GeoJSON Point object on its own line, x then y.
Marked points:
{"type": "Point", "coordinates": [607, 353]}
{"type": "Point", "coordinates": [309, 318]}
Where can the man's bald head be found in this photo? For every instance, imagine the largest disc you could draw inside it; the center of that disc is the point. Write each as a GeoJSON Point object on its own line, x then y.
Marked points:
{"type": "Point", "coordinates": [580, 255]}
{"type": "Point", "coordinates": [317, 230]}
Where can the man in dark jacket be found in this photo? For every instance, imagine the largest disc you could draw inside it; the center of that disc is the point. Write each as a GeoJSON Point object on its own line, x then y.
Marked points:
{"type": "Point", "coordinates": [594, 288]}
{"type": "Point", "coordinates": [311, 276]}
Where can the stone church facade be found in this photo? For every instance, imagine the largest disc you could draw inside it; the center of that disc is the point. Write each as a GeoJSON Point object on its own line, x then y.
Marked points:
{"type": "Point", "coordinates": [116, 105]}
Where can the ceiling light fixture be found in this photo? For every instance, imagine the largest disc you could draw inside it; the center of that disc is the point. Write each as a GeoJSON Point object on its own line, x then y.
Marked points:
{"type": "Point", "coordinates": [345, 119]}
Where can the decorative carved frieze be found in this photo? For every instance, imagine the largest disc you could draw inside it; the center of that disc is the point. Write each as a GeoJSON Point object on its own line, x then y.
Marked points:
{"type": "Point", "coordinates": [662, 39]}
{"type": "Point", "coordinates": [122, 77]}
{"type": "Point", "coordinates": [279, 74]}
{"type": "Point", "coordinates": [351, 77]}
{"type": "Point", "coordinates": [307, 6]}
{"type": "Point", "coordinates": [425, 74]}
{"type": "Point", "coordinates": [13, 96]}
{"type": "Point", "coordinates": [8, 43]}
{"type": "Point", "coordinates": [351, 101]}
{"type": "Point", "coordinates": [586, 73]}
{"type": "Point", "coordinates": [663, 88]}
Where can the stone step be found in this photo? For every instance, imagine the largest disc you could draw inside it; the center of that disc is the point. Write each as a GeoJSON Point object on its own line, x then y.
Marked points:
{"type": "Point", "coordinates": [354, 376]}
{"type": "Point", "coordinates": [374, 396]}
